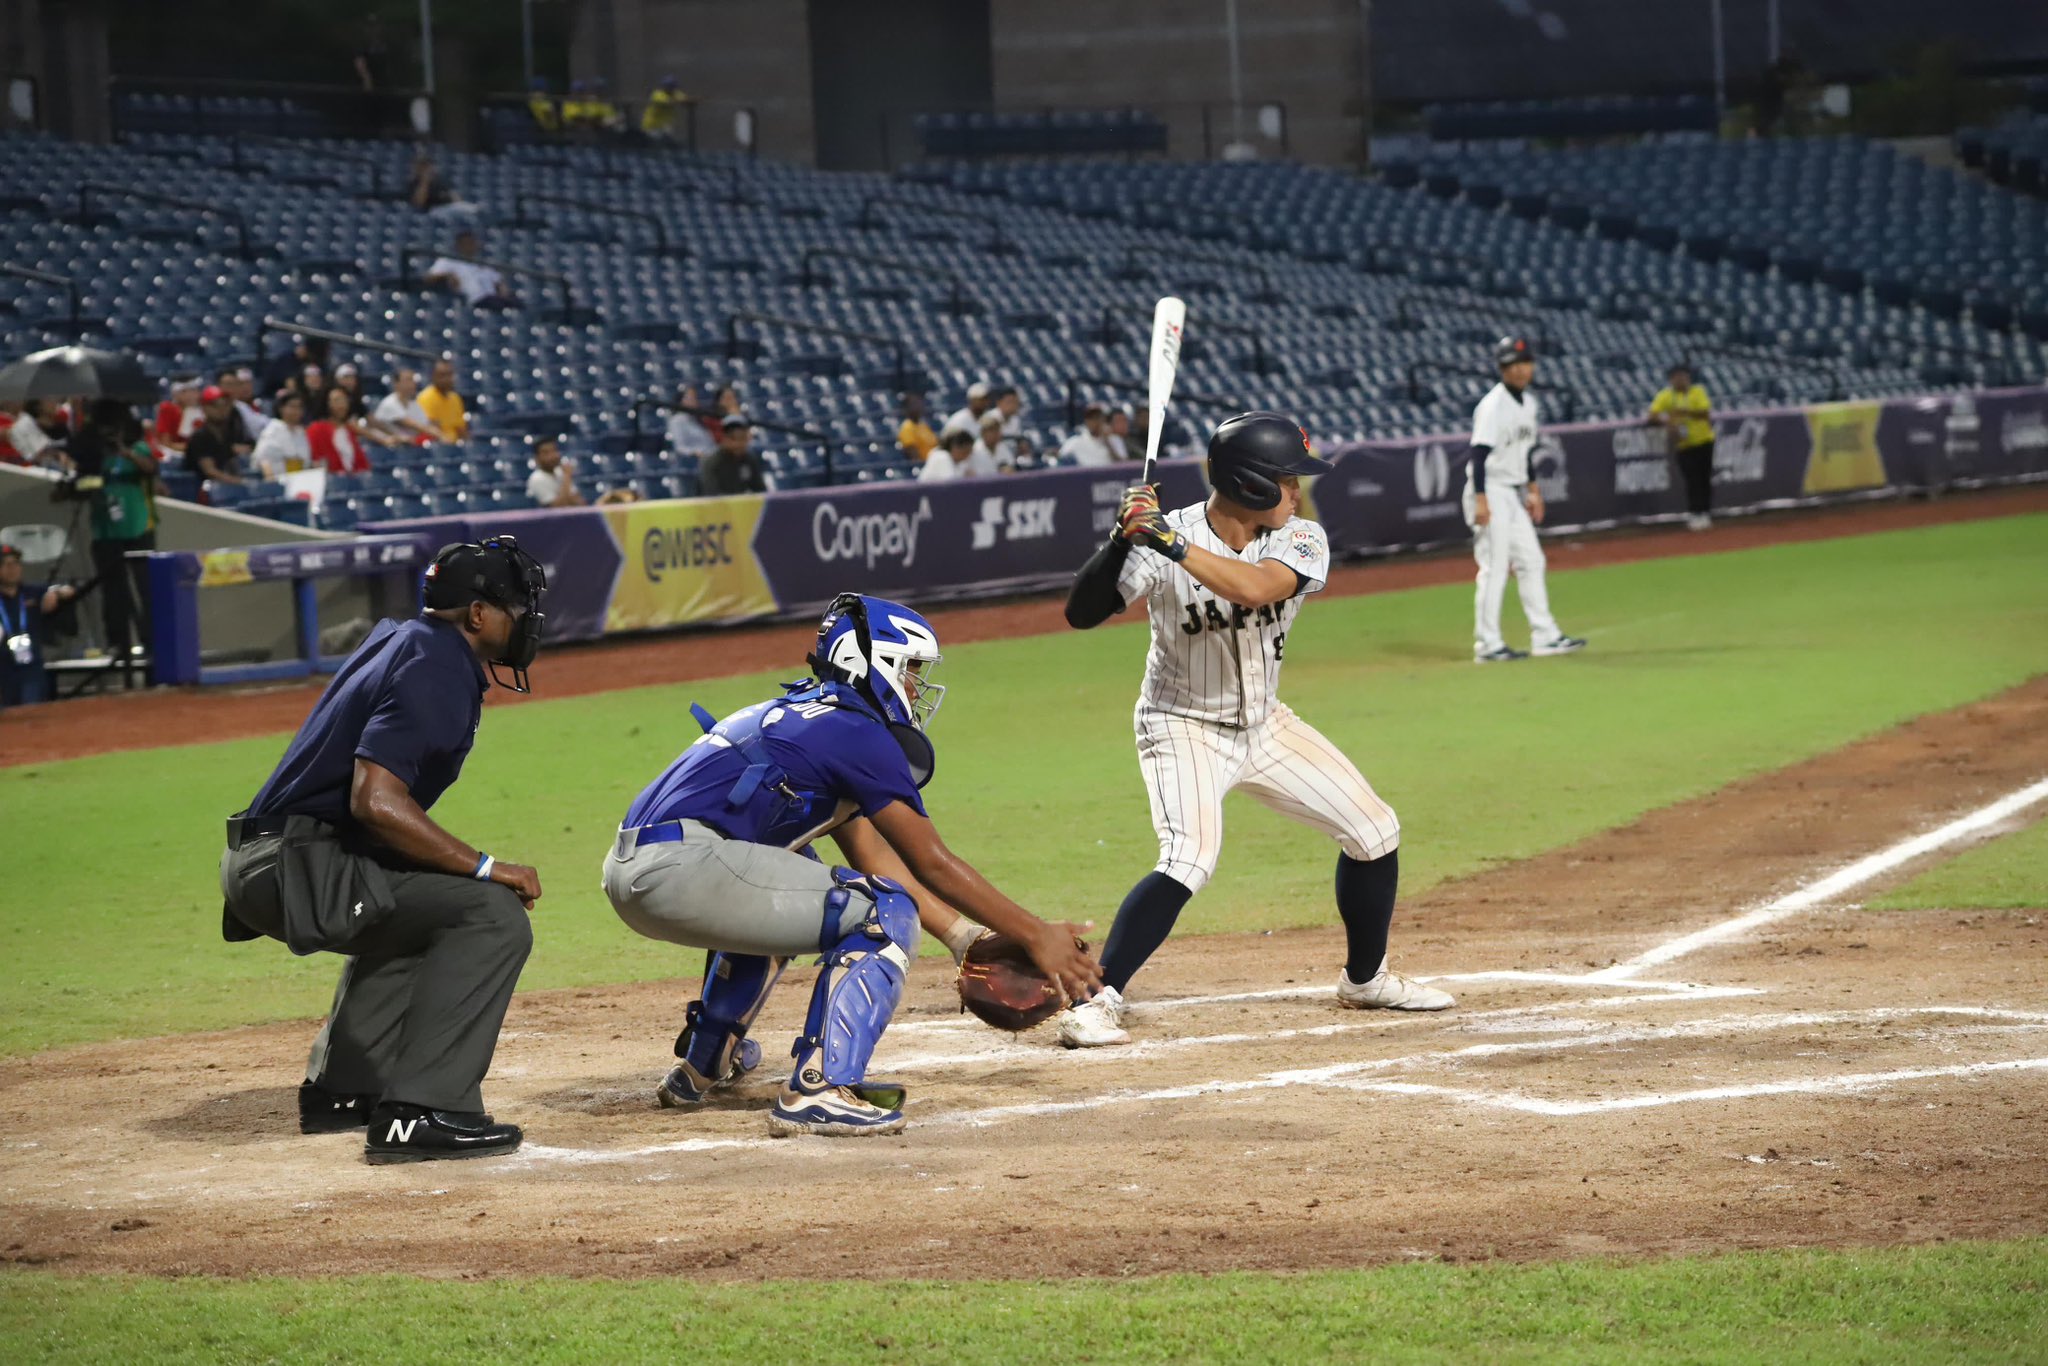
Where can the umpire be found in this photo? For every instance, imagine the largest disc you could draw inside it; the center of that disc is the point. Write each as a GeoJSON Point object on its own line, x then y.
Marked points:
{"type": "Point", "coordinates": [337, 852]}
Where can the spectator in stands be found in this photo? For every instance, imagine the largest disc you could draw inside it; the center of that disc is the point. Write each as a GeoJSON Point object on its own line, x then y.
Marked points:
{"type": "Point", "coordinates": [1683, 410]}
{"type": "Point", "coordinates": [337, 440]}
{"type": "Point", "coordinates": [1090, 445]}
{"type": "Point", "coordinates": [1140, 425]}
{"type": "Point", "coordinates": [480, 286]}
{"type": "Point", "coordinates": [242, 384]}
{"type": "Point", "coordinates": [913, 433]}
{"type": "Point", "coordinates": [373, 55]}
{"type": "Point", "coordinates": [287, 371]}
{"type": "Point", "coordinates": [349, 381]}
{"type": "Point", "coordinates": [687, 434]}
{"type": "Point", "coordinates": [110, 444]}
{"type": "Point", "coordinates": [1120, 434]}
{"type": "Point", "coordinates": [429, 191]}
{"type": "Point", "coordinates": [553, 481]}
{"type": "Point", "coordinates": [214, 450]}
{"type": "Point", "coordinates": [658, 119]}
{"type": "Point", "coordinates": [177, 416]}
{"type": "Point", "coordinates": [1010, 404]}
{"type": "Point", "coordinates": [547, 116]}
{"type": "Point", "coordinates": [733, 467]}
{"type": "Point", "coordinates": [988, 455]}
{"type": "Point", "coordinates": [24, 680]}
{"type": "Point", "coordinates": [605, 113]}
{"type": "Point", "coordinates": [443, 406]}
{"type": "Point", "coordinates": [400, 412]}
{"type": "Point", "coordinates": [29, 437]}
{"type": "Point", "coordinates": [284, 448]}
{"type": "Point", "coordinates": [948, 458]}
{"type": "Point", "coordinates": [9, 414]}
{"type": "Point", "coordinates": [310, 384]}
{"type": "Point", "coordinates": [979, 396]}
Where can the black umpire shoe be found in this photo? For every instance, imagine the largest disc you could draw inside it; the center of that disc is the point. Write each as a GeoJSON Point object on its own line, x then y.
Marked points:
{"type": "Point", "coordinates": [322, 1111]}
{"type": "Point", "coordinates": [413, 1133]}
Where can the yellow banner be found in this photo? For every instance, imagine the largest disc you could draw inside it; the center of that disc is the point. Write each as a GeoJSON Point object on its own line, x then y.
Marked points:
{"type": "Point", "coordinates": [686, 560]}
{"type": "Point", "coordinates": [219, 568]}
{"type": "Point", "coordinates": [1845, 454]}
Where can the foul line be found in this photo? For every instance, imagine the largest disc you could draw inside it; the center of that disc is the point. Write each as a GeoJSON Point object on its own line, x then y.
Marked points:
{"type": "Point", "coordinates": [1815, 893]}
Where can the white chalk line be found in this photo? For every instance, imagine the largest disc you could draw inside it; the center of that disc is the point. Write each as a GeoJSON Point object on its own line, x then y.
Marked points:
{"type": "Point", "coordinates": [1815, 893]}
{"type": "Point", "coordinates": [1350, 1075]}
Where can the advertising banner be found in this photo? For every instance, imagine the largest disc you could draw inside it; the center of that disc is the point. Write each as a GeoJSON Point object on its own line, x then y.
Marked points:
{"type": "Point", "coordinates": [686, 561]}
{"type": "Point", "coordinates": [1845, 457]}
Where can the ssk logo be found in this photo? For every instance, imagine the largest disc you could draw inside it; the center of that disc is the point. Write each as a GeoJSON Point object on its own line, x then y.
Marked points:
{"type": "Point", "coordinates": [665, 548]}
{"type": "Point", "coordinates": [869, 536]}
{"type": "Point", "coordinates": [1019, 519]}
{"type": "Point", "coordinates": [1432, 473]}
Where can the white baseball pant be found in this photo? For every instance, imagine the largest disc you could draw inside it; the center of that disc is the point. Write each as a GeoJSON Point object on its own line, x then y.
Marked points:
{"type": "Point", "coordinates": [1507, 545]}
{"type": "Point", "coordinates": [1283, 763]}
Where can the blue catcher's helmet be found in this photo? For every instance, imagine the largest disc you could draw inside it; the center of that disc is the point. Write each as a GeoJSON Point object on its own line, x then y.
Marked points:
{"type": "Point", "coordinates": [884, 650]}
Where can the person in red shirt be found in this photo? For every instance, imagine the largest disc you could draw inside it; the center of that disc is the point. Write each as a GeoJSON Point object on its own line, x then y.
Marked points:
{"type": "Point", "coordinates": [178, 416]}
{"type": "Point", "coordinates": [338, 440]}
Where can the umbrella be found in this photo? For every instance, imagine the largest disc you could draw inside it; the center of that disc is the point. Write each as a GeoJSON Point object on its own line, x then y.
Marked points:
{"type": "Point", "coordinates": [70, 371]}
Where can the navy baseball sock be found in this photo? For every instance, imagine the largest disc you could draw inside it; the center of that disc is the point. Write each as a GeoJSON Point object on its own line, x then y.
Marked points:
{"type": "Point", "coordinates": [1365, 898]}
{"type": "Point", "coordinates": [1142, 924]}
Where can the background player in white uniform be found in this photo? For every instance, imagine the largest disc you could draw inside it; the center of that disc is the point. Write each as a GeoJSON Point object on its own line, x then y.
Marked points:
{"type": "Point", "coordinates": [1503, 507]}
{"type": "Point", "coordinates": [1222, 582]}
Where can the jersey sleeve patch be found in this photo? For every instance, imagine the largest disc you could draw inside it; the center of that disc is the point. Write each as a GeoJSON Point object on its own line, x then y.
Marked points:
{"type": "Point", "coordinates": [1304, 548]}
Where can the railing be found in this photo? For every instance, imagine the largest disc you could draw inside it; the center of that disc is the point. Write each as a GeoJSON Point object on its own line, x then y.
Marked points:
{"type": "Point", "coordinates": [1418, 393]}
{"type": "Point", "coordinates": [997, 244]}
{"type": "Point", "coordinates": [1263, 295]}
{"type": "Point", "coordinates": [896, 344]}
{"type": "Point", "coordinates": [660, 404]}
{"type": "Point", "coordinates": [351, 339]}
{"type": "Point", "coordinates": [88, 188]}
{"type": "Point", "coordinates": [348, 110]}
{"type": "Point", "coordinates": [1533, 324]}
{"type": "Point", "coordinates": [662, 246]}
{"type": "Point", "coordinates": [957, 303]}
{"type": "Point", "coordinates": [1376, 261]}
{"type": "Point", "coordinates": [1193, 400]}
{"type": "Point", "coordinates": [44, 277]}
{"type": "Point", "coordinates": [569, 315]}
{"type": "Point", "coordinates": [1108, 333]}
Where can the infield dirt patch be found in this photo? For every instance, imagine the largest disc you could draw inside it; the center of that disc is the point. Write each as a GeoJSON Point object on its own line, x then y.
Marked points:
{"type": "Point", "coordinates": [1839, 1077]}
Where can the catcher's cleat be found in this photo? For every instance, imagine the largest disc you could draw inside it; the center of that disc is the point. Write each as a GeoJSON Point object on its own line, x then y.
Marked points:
{"type": "Point", "coordinates": [1389, 990]}
{"type": "Point", "coordinates": [854, 1111]}
{"type": "Point", "coordinates": [685, 1086]}
{"type": "Point", "coordinates": [322, 1111]}
{"type": "Point", "coordinates": [1096, 1023]}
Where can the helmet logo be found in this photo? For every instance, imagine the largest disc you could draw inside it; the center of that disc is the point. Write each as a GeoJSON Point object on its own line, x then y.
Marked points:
{"type": "Point", "coordinates": [846, 655]}
{"type": "Point", "coordinates": [1304, 439]}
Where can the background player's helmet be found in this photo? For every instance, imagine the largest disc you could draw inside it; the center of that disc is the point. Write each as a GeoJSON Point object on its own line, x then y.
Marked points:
{"type": "Point", "coordinates": [497, 571]}
{"type": "Point", "coordinates": [1249, 451]}
{"type": "Point", "coordinates": [884, 650]}
{"type": "Point", "coordinates": [1508, 350]}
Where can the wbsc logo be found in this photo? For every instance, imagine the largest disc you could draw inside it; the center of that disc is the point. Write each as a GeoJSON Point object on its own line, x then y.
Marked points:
{"type": "Point", "coordinates": [667, 548]}
{"type": "Point", "coordinates": [1019, 519]}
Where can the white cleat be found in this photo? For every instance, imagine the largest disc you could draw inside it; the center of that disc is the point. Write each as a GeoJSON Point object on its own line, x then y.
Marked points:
{"type": "Point", "coordinates": [1563, 645]}
{"type": "Point", "coordinates": [1389, 990]}
{"type": "Point", "coordinates": [1096, 1023]}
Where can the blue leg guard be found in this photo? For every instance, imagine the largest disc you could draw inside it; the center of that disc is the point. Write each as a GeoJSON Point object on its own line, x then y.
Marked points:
{"type": "Point", "coordinates": [714, 1045]}
{"type": "Point", "coordinates": [861, 983]}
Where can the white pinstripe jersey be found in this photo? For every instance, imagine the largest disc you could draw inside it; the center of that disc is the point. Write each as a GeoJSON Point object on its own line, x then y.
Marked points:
{"type": "Point", "coordinates": [1210, 660]}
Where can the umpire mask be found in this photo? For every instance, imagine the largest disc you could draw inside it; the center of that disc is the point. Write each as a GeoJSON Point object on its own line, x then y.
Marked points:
{"type": "Point", "coordinates": [494, 570]}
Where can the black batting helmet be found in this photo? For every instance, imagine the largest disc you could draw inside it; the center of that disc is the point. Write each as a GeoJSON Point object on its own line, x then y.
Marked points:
{"type": "Point", "coordinates": [1249, 451]}
{"type": "Point", "coordinates": [1508, 350]}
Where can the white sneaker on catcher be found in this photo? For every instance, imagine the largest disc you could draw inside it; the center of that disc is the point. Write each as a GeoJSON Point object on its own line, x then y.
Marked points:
{"type": "Point", "coordinates": [838, 1111]}
{"type": "Point", "coordinates": [1095, 1023]}
{"type": "Point", "coordinates": [1389, 990]}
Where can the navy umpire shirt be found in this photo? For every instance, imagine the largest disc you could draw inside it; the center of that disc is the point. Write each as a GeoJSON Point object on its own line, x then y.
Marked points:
{"type": "Point", "coordinates": [408, 700]}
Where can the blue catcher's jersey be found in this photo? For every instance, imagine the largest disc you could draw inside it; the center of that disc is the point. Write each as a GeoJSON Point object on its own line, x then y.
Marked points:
{"type": "Point", "coordinates": [785, 771]}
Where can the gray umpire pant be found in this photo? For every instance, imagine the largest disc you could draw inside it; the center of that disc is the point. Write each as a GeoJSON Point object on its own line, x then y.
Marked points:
{"type": "Point", "coordinates": [708, 892]}
{"type": "Point", "coordinates": [433, 959]}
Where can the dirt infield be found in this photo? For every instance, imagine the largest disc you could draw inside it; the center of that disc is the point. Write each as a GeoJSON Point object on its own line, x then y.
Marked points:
{"type": "Point", "coordinates": [99, 725]}
{"type": "Point", "coordinates": [1613, 1081]}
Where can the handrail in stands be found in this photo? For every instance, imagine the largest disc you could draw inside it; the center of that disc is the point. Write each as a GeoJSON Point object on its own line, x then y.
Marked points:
{"type": "Point", "coordinates": [570, 315]}
{"type": "Point", "coordinates": [1264, 295]}
{"type": "Point", "coordinates": [956, 303]}
{"type": "Point", "coordinates": [1128, 386]}
{"type": "Point", "coordinates": [997, 243]}
{"type": "Point", "coordinates": [236, 141]}
{"type": "Point", "coordinates": [353, 339]}
{"type": "Point", "coordinates": [87, 188]}
{"type": "Point", "coordinates": [1538, 330]}
{"type": "Point", "coordinates": [44, 277]}
{"type": "Point", "coordinates": [1108, 333]}
{"type": "Point", "coordinates": [896, 344]}
{"type": "Point", "coordinates": [662, 246]}
{"type": "Point", "coordinates": [1451, 365]}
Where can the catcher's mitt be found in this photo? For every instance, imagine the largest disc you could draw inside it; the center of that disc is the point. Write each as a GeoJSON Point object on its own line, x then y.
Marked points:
{"type": "Point", "coordinates": [1003, 987]}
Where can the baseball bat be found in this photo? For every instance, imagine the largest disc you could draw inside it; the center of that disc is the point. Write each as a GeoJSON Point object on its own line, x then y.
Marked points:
{"type": "Point", "coordinates": [1169, 315]}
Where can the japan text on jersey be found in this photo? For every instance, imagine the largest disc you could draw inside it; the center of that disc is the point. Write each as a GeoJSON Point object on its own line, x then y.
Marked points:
{"type": "Point", "coordinates": [1211, 660]}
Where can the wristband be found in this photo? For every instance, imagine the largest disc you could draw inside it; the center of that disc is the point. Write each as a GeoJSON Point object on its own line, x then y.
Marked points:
{"type": "Point", "coordinates": [484, 864]}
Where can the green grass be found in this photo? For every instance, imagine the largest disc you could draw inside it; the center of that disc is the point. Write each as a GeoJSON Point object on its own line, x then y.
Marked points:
{"type": "Point", "coordinates": [1954, 1302]}
{"type": "Point", "coordinates": [2009, 873]}
{"type": "Point", "coordinates": [1702, 671]}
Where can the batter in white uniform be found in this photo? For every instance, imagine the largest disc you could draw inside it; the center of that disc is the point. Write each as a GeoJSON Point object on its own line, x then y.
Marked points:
{"type": "Point", "coordinates": [1221, 582]}
{"type": "Point", "coordinates": [1503, 507]}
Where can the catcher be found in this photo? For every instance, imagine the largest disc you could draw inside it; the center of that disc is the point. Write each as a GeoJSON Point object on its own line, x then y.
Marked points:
{"type": "Point", "coordinates": [715, 854]}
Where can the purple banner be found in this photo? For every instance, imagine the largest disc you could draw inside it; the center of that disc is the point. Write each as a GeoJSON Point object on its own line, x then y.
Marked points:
{"type": "Point", "coordinates": [923, 542]}
{"type": "Point", "coordinates": [574, 545]}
